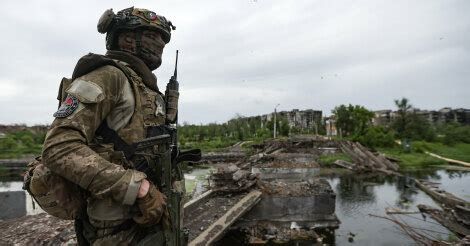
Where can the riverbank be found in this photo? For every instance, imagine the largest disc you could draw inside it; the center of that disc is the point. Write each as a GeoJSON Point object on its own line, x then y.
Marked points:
{"type": "Point", "coordinates": [357, 196]}
{"type": "Point", "coordinates": [417, 157]}
{"type": "Point", "coordinates": [361, 191]}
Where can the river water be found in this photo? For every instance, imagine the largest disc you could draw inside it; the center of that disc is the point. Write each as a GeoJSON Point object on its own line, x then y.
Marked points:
{"type": "Point", "coordinates": [357, 198]}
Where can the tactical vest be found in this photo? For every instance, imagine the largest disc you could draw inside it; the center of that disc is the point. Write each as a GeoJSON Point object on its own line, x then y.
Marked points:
{"type": "Point", "coordinates": [150, 106]}
{"type": "Point", "coordinates": [147, 118]}
{"type": "Point", "coordinates": [145, 132]}
{"type": "Point", "coordinates": [149, 112]}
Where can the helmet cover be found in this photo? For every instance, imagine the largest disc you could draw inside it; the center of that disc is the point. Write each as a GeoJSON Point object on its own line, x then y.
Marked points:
{"type": "Point", "coordinates": [132, 19]}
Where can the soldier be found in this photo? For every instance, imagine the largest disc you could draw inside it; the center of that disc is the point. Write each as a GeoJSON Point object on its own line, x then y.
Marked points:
{"type": "Point", "coordinates": [111, 102]}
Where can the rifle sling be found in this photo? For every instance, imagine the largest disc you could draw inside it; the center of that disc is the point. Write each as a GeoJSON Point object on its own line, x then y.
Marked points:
{"type": "Point", "coordinates": [111, 136]}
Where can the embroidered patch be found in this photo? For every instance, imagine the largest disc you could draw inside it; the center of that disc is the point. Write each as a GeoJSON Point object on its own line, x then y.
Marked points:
{"type": "Point", "coordinates": [67, 107]}
{"type": "Point", "coordinates": [151, 15]}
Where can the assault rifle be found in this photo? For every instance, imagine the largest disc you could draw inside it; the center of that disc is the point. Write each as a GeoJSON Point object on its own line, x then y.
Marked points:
{"type": "Point", "coordinates": [168, 174]}
{"type": "Point", "coordinates": [159, 157]}
{"type": "Point", "coordinates": [172, 171]}
{"type": "Point", "coordinates": [162, 166]}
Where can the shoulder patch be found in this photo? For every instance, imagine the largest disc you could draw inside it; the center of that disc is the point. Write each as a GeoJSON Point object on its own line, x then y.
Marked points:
{"type": "Point", "coordinates": [86, 91]}
{"type": "Point", "coordinates": [68, 106]}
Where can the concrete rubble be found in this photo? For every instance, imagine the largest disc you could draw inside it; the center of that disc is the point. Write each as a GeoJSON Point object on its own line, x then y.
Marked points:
{"type": "Point", "coordinates": [294, 204]}
{"type": "Point", "coordinates": [366, 161]}
{"type": "Point", "coordinates": [41, 229]}
{"type": "Point", "coordinates": [272, 195]}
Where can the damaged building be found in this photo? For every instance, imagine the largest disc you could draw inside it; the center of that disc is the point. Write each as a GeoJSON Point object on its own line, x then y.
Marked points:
{"type": "Point", "coordinates": [301, 119]}
{"type": "Point", "coordinates": [444, 115]}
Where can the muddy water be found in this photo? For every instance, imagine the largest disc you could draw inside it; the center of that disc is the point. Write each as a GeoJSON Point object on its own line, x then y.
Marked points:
{"type": "Point", "coordinates": [359, 196]}
{"type": "Point", "coordinates": [196, 180]}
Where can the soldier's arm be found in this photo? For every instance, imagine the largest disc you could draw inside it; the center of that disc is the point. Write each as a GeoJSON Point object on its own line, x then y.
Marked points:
{"type": "Point", "coordinates": [66, 150]}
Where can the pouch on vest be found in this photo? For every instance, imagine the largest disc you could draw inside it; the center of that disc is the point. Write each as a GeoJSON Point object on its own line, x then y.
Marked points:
{"type": "Point", "coordinates": [56, 195]}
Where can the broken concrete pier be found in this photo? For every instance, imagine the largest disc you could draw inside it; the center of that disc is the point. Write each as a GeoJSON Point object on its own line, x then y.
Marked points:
{"type": "Point", "coordinates": [310, 204]}
{"type": "Point", "coordinates": [273, 196]}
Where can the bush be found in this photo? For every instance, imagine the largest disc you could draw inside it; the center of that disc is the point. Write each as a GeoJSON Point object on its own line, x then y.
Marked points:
{"type": "Point", "coordinates": [456, 135]}
{"type": "Point", "coordinates": [8, 143]}
{"type": "Point", "coordinates": [376, 136]}
{"type": "Point", "coordinates": [453, 133]}
{"type": "Point", "coordinates": [263, 133]}
{"type": "Point", "coordinates": [420, 147]}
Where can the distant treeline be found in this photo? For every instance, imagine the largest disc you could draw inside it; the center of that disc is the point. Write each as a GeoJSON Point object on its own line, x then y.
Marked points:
{"type": "Point", "coordinates": [355, 123]}
{"type": "Point", "coordinates": [215, 135]}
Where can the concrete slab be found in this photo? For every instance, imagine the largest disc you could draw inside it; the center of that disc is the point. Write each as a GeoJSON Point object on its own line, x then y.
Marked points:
{"type": "Point", "coordinates": [12, 204]}
{"type": "Point", "coordinates": [285, 208]}
{"type": "Point", "coordinates": [285, 173]}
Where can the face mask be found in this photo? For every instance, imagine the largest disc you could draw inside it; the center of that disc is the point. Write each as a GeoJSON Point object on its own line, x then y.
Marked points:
{"type": "Point", "coordinates": [151, 48]}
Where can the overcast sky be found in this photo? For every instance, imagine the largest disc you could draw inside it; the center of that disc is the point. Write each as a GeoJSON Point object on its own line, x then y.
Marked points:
{"type": "Point", "coordinates": [246, 56]}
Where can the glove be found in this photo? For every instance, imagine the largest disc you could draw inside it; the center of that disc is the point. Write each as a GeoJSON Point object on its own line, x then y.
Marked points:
{"type": "Point", "coordinates": [151, 206]}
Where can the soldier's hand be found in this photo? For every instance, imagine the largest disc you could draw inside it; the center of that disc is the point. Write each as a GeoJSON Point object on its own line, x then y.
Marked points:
{"type": "Point", "coordinates": [151, 206]}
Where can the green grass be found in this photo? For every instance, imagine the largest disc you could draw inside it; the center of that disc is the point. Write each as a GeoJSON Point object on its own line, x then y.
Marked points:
{"type": "Point", "coordinates": [413, 160]}
{"type": "Point", "coordinates": [460, 151]}
{"type": "Point", "coordinates": [417, 158]}
{"type": "Point", "coordinates": [329, 159]}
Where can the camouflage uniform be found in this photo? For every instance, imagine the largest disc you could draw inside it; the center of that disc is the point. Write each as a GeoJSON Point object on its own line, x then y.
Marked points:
{"type": "Point", "coordinates": [123, 93]}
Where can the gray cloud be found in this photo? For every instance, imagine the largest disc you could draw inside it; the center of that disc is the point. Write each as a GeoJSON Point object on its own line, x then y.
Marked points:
{"type": "Point", "coordinates": [247, 56]}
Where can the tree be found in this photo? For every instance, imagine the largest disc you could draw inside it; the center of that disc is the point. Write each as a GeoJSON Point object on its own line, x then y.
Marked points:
{"type": "Point", "coordinates": [402, 120]}
{"type": "Point", "coordinates": [8, 143]}
{"type": "Point", "coordinates": [352, 120]}
{"type": "Point", "coordinates": [283, 127]}
{"type": "Point", "coordinates": [452, 133]}
{"type": "Point", "coordinates": [410, 125]}
{"type": "Point", "coordinates": [376, 136]}
{"type": "Point", "coordinates": [27, 140]}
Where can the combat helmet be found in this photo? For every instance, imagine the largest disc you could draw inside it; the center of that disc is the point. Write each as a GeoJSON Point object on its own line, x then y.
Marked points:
{"type": "Point", "coordinates": [132, 19]}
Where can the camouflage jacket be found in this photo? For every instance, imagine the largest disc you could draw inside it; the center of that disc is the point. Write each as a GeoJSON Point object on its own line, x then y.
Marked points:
{"type": "Point", "coordinates": [121, 92]}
